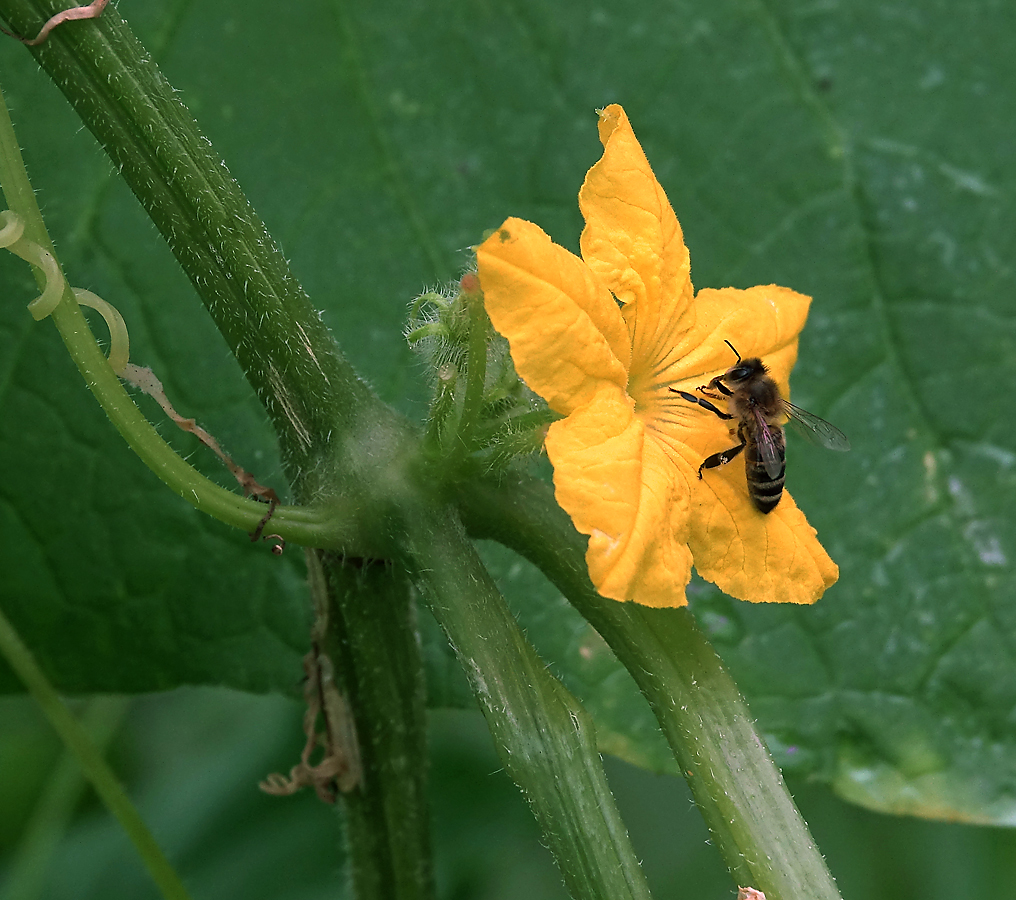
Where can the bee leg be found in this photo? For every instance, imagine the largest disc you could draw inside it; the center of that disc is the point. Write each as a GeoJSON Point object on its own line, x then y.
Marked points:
{"type": "Point", "coordinates": [721, 459]}
{"type": "Point", "coordinates": [691, 398]}
{"type": "Point", "coordinates": [716, 385]}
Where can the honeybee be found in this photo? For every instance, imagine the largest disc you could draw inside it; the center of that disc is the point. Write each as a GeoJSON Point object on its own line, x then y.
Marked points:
{"type": "Point", "coordinates": [754, 400]}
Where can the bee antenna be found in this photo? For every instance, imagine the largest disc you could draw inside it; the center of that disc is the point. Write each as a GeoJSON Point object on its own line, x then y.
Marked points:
{"type": "Point", "coordinates": [731, 346]}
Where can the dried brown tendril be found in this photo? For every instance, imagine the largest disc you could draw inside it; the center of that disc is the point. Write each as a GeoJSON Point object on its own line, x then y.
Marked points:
{"type": "Point", "coordinates": [339, 768]}
{"type": "Point", "coordinates": [90, 11]}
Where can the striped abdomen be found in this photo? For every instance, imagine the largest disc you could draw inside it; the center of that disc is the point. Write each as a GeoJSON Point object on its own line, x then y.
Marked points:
{"type": "Point", "coordinates": [764, 490]}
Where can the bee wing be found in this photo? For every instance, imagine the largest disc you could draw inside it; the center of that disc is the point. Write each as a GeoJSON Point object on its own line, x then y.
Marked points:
{"type": "Point", "coordinates": [813, 429]}
{"type": "Point", "coordinates": [771, 458]}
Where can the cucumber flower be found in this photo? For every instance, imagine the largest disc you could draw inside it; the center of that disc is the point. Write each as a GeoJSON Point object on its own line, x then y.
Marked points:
{"type": "Point", "coordinates": [609, 341]}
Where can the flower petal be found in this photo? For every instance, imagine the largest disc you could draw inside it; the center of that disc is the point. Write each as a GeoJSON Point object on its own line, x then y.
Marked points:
{"type": "Point", "coordinates": [633, 242]}
{"type": "Point", "coordinates": [759, 321]}
{"type": "Point", "coordinates": [764, 558]}
{"type": "Point", "coordinates": [565, 330]}
{"type": "Point", "coordinates": [617, 485]}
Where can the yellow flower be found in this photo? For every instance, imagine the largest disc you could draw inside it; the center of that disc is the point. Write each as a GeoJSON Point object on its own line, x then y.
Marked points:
{"type": "Point", "coordinates": [604, 339]}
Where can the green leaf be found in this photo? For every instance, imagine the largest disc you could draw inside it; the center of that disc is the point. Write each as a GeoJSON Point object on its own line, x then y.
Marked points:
{"type": "Point", "coordinates": [856, 153]}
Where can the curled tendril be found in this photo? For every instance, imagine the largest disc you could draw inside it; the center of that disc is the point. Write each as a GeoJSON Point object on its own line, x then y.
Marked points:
{"type": "Point", "coordinates": [12, 237]}
{"type": "Point", "coordinates": [119, 343]}
{"type": "Point", "coordinates": [11, 228]}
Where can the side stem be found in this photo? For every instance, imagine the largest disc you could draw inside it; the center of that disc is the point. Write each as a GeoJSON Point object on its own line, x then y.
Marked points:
{"type": "Point", "coordinates": [543, 735]}
{"type": "Point", "coordinates": [31, 862]}
{"type": "Point", "coordinates": [106, 785]}
{"type": "Point", "coordinates": [764, 840]}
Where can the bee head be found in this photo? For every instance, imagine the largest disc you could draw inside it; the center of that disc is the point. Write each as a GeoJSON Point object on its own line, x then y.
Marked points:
{"type": "Point", "coordinates": [744, 370]}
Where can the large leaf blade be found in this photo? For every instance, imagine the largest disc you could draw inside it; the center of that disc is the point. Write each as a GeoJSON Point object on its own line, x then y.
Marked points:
{"type": "Point", "coordinates": [855, 155]}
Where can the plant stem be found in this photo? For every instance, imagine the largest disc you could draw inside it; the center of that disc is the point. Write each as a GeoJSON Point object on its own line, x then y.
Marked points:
{"type": "Point", "coordinates": [476, 372]}
{"type": "Point", "coordinates": [740, 791]}
{"type": "Point", "coordinates": [543, 735]}
{"type": "Point", "coordinates": [32, 858]}
{"type": "Point", "coordinates": [371, 640]}
{"type": "Point", "coordinates": [106, 785]}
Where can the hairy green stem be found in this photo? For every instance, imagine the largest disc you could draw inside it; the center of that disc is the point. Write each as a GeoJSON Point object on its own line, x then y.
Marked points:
{"type": "Point", "coordinates": [740, 791]}
{"type": "Point", "coordinates": [106, 785]}
{"type": "Point", "coordinates": [371, 640]}
{"type": "Point", "coordinates": [543, 735]}
{"type": "Point", "coordinates": [476, 371]}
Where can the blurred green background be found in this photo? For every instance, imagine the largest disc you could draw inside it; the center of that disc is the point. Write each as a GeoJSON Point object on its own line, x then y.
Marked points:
{"type": "Point", "coordinates": [861, 152]}
{"type": "Point", "coordinates": [192, 759]}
